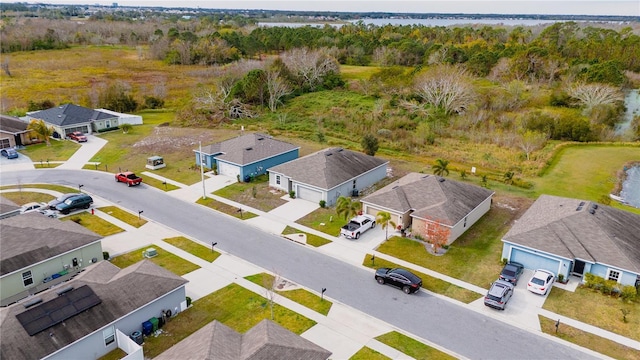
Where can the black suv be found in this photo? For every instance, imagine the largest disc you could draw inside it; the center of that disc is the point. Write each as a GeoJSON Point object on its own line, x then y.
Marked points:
{"type": "Point", "coordinates": [60, 199]}
{"type": "Point", "coordinates": [80, 201]}
{"type": "Point", "coordinates": [511, 272]}
{"type": "Point", "coordinates": [405, 280]}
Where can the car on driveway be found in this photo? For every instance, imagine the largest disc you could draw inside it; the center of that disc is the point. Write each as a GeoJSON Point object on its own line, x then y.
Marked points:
{"type": "Point", "coordinates": [9, 153]}
{"type": "Point", "coordinates": [404, 279]}
{"type": "Point", "coordinates": [48, 213]}
{"type": "Point", "coordinates": [129, 178]}
{"type": "Point", "coordinates": [541, 282]}
{"type": "Point", "coordinates": [77, 136]}
{"type": "Point", "coordinates": [80, 201]}
{"type": "Point", "coordinates": [32, 207]}
{"type": "Point", "coordinates": [357, 226]}
{"type": "Point", "coordinates": [511, 272]}
{"type": "Point", "coordinates": [60, 199]}
{"type": "Point", "coordinates": [499, 294]}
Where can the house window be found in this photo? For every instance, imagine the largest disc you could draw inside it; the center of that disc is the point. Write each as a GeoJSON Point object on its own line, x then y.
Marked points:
{"type": "Point", "coordinates": [278, 179]}
{"type": "Point", "coordinates": [27, 279]}
{"type": "Point", "coordinates": [613, 275]}
{"type": "Point", "coordinates": [354, 184]}
{"type": "Point", "coordinates": [109, 335]}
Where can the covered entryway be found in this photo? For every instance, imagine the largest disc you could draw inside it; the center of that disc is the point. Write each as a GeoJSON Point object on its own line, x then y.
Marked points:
{"type": "Point", "coordinates": [308, 194]}
{"type": "Point", "coordinates": [534, 261]}
{"type": "Point", "coordinates": [228, 169]}
{"type": "Point", "coordinates": [578, 267]}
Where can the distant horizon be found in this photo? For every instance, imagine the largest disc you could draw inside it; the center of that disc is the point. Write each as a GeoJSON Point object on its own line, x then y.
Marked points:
{"type": "Point", "coordinates": [466, 7]}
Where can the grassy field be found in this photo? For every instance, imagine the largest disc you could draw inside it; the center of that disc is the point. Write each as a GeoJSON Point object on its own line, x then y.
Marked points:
{"type": "Point", "coordinates": [313, 240]}
{"type": "Point", "coordinates": [192, 247]}
{"type": "Point", "coordinates": [227, 209]}
{"type": "Point", "coordinates": [301, 296]}
{"type": "Point", "coordinates": [93, 223]}
{"type": "Point", "coordinates": [412, 347]}
{"type": "Point", "coordinates": [165, 259]}
{"type": "Point", "coordinates": [129, 218]}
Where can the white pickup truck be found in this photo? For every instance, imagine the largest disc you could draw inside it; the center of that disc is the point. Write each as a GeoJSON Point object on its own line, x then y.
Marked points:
{"type": "Point", "coordinates": [357, 226]}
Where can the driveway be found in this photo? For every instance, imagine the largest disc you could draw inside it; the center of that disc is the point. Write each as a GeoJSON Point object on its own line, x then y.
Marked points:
{"type": "Point", "coordinates": [20, 163]}
{"type": "Point", "coordinates": [294, 209]}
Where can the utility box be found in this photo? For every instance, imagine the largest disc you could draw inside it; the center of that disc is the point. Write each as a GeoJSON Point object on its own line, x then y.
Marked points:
{"type": "Point", "coordinates": [155, 163]}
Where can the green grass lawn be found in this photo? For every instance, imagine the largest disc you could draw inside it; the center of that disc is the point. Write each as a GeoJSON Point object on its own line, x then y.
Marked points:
{"type": "Point", "coordinates": [596, 309]}
{"type": "Point", "coordinates": [164, 186]}
{"type": "Point", "coordinates": [301, 296]}
{"type": "Point", "coordinates": [165, 259]}
{"type": "Point", "coordinates": [129, 218]}
{"type": "Point", "coordinates": [23, 197]}
{"type": "Point", "coordinates": [225, 208]}
{"type": "Point", "coordinates": [430, 283]}
{"type": "Point", "coordinates": [313, 240]}
{"type": "Point", "coordinates": [233, 306]}
{"type": "Point", "coordinates": [93, 223]}
{"type": "Point", "coordinates": [588, 340]}
{"type": "Point", "coordinates": [192, 247]}
{"type": "Point", "coordinates": [412, 347]}
{"type": "Point", "coordinates": [59, 150]}
{"type": "Point", "coordinates": [323, 219]}
{"type": "Point", "coordinates": [58, 188]}
{"type": "Point", "coordinates": [367, 353]}
{"type": "Point", "coordinates": [45, 165]}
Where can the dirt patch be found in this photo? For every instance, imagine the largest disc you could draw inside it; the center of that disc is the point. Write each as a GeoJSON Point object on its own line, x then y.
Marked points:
{"type": "Point", "coordinates": [166, 139]}
{"type": "Point", "coordinates": [515, 204]}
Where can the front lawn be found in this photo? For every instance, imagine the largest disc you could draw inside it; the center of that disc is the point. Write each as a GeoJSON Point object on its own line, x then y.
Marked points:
{"type": "Point", "coordinates": [23, 197]}
{"type": "Point", "coordinates": [301, 296]}
{"type": "Point", "coordinates": [59, 150]}
{"type": "Point", "coordinates": [323, 219]}
{"type": "Point", "coordinates": [162, 185]}
{"type": "Point", "coordinates": [367, 353]}
{"type": "Point", "coordinates": [58, 188]}
{"type": "Point", "coordinates": [313, 240]}
{"type": "Point", "coordinates": [255, 194]}
{"type": "Point", "coordinates": [125, 216]}
{"type": "Point", "coordinates": [193, 248]}
{"type": "Point", "coordinates": [94, 223]}
{"type": "Point", "coordinates": [412, 347]}
{"type": "Point", "coordinates": [596, 309]}
{"type": "Point", "coordinates": [226, 208]}
{"type": "Point", "coordinates": [165, 259]}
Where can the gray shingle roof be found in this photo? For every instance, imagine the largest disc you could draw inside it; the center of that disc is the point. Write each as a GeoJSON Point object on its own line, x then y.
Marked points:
{"type": "Point", "coordinates": [121, 292]}
{"type": "Point", "coordinates": [30, 238]}
{"type": "Point", "coordinates": [430, 197]}
{"type": "Point", "coordinates": [247, 149]}
{"type": "Point", "coordinates": [328, 168]}
{"type": "Point", "coordinates": [559, 226]}
{"type": "Point", "coordinates": [12, 125]}
{"type": "Point", "coordinates": [69, 114]}
{"type": "Point", "coordinates": [265, 341]}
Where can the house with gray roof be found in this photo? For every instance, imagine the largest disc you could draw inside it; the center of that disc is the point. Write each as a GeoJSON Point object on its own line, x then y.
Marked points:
{"type": "Point", "coordinates": [265, 341]}
{"type": "Point", "coordinates": [425, 202]}
{"type": "Point", "coordinates": [39, 252]}
{"type": "Point", "coordinates": [13, 132]}
{"type": "Point", "coordinates": [574, 237]}
{"type": "Point", "coordinates": [328, 174]}
{"type": "Point", "coordinates": [93, 314]}
{"type": "Point", "coordinates": [247, 155]}
{"type": "Point", "coordinates": [65, 119]}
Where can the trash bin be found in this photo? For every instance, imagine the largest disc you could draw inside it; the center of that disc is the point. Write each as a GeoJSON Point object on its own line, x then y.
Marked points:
{"type": "Point", "coordinates": [154, 322]}
{"type": "Point", "coordinates": [147, 328]}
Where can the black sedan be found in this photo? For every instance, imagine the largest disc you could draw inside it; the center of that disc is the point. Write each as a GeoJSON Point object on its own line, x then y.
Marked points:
{"type": "Point", "coordinates": [511, 272]}
{"type": "Point", "coordinates": [405, 280]}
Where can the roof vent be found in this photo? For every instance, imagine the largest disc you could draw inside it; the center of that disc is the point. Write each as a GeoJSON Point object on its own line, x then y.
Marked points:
{"type": "Point", "coordinates": [441, 179]}
{"type": "Point", "coordinates": [328, 153]}
{"type": "Point", "coordinates": [340, 149]}
{"type": "Point", "coordinates": [579, 208]}
{"type": "Point", "coordinates": [249, 149]}
{"type": "Point", "coordinates": [32, 302]}
{"type": "Point", "coordinates": [581, 203]}
{"type": "Point", "coordinates": [260, 138]}
{"type": "Point", "coordinates": [592, 211]}
{"type": "Point", "coordinates": [64, 290]}
{"type": "Point", "coordinates": [395, 187]}
{"type": "Point", "coordinates": [594, 206]}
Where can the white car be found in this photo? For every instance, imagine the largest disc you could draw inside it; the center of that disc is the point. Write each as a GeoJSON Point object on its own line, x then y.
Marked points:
{"type": "Point", "coordinates": [32, 207]}
{"type": "Point", "coordinates": [49, 213]}
{"type": "Point", "coordinates": [541, 282]}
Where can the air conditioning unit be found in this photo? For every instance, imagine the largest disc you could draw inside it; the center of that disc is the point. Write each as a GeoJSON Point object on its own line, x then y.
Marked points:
{"type": "Point", "coordinates": [150, 252]}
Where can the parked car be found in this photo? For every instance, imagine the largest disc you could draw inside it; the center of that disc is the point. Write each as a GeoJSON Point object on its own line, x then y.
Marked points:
{"type": "Point", "coordinates": [511, 272]}
{"type": "Point", "coordinates": [499, 294]}
{"type": "Point", "coordinates": [77, 136]}
{"type": "Point", "coordinates": [80, 201]}
{"type": "Point", "coordinates": [404, 279]}
{"type": "Point", "coordinates": [541, 282]}
{"type": "Point", "coordinates": [48, 213]}
{"type": "Point", "coordinates": [31, 207]}
{"type": "Point", "coordinates": [129, 178]}
{"type": "Point", "coordinates": [9, 153]}
{"type": "Point", "coordinates": [357, 226]}
{"type": "Point", "coordinates": [60, 199]}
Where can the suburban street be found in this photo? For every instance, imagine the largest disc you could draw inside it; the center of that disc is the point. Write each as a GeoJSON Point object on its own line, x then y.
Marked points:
{"type": "Point", "coordinates": [452, 326]}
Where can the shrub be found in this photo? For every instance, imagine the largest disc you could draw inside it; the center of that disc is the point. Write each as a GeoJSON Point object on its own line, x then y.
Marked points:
{"type": "Point", "coordinates": [608, 286]}
{"type": "Point", "coordinates": [105, 256]}
{"type": "Point", "coordinates": [561, 278]}
{"type": "Point", "coordinates": [292, 194]}
{"type": "Point", "coordinates": [504, 261]}
{"type": "Point", "coordinates": [188, 301]}
{"type": "Point", "coordinates": [323, 204]}
{"type": "Point", "coordinates": [629, 292]}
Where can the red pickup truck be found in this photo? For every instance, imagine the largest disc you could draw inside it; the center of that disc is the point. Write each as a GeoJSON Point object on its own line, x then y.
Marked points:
{"type": "Point", "coordinates": [129, 178]}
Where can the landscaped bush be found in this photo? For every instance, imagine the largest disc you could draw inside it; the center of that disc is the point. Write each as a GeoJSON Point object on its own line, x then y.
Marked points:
{"type": "Point", "coordinates": [610, 287]}
{"type": "Point", "coordinates": [629, 292]}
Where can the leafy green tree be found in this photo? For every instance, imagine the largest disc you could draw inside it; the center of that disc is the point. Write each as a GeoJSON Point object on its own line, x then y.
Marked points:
{"type": "Point", "coordinates": [370, 144]}
{"type": "Point", "coordinates": [384, 219]}
{"type": "Point", "coordinates": [440, 167]}
{"type": "Point", "coordinates": [508, 177]}
{"type": "Point", "coordinates": [41, 129]}
{"type": "Point", "coordinates": [346, 209]}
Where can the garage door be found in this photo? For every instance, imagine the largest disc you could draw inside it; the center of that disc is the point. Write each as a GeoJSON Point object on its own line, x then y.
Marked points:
{"type": "Point", "coordinates": [534, 261]}
{"type": "Point", "coordinates": [374, 211]}
{"type": "Point", "coordinates": [309, 194]}
{"type": "Point", "coordinates": [229, 170]}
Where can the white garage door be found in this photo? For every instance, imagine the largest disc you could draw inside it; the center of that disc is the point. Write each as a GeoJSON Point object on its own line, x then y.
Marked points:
{"type": "Point", "coordinates": [309, 194]}
{"type": "Point", "coordinates": [229, 170]}
{"type": "Point", "coordinates": [534, 261]}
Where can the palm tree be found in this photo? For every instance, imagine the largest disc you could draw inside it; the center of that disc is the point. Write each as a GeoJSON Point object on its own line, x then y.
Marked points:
{"type": "Point", "coordinates": [440, 167]}
{"type": "Point", "coordinates": [41, 129]}
{"type": "Point", "coordinates": [345, 208]}
{"type": "Point", "coordinates": [384, 219]}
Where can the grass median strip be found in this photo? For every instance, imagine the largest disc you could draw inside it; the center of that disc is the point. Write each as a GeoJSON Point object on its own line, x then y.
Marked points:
{"type": "Point", "coordinates": [368, 354]}
{"type": "Point", "coordinates": [412, 347]}
{"type": "Point", "coordinates": [165, 259]}
{"type": "Point", "coordinates": [430, 283]}
{"type": "Point", "coordinates": [97, 225]}
{"type": "Point", "coordinates": [58, 188]}
{"type": "Point", "coordinates": [313, 240]}
{"type": "Point", "coordinates": [301, 296]}
{"type": "Point", "coordinates": [164, 186]}
{"type": "Point", "coordinates": [123, 215]}
{"type": "Point", "coordinates": [226, 208]}
{"type": "Point", "coordinates": [193, 248]}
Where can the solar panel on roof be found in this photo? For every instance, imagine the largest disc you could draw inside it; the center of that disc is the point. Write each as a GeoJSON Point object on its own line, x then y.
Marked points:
{"type": "Point", "coordinates": [58, 310]}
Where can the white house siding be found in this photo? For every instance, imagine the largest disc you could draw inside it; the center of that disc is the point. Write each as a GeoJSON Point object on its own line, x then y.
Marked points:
{"type": "Point", "coordinates": [123, 118]}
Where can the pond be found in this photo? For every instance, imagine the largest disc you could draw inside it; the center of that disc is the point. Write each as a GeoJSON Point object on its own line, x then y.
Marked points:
{"type": "Point", "coordinates": [632, 106]}
{"type": "Point", "coordinates": [631, 187]}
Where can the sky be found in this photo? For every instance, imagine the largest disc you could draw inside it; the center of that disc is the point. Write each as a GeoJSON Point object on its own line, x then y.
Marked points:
{"type": "Point", "coordinates": [563, 7]}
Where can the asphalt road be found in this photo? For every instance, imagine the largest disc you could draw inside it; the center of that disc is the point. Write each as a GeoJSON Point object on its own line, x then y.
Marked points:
{"type": "Point", "coordinates": [454, 327]}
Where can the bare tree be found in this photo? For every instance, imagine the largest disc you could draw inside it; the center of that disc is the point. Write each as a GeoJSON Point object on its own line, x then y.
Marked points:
{"type": "Point", "coordinates": [5, 66]}
{"type": "Point", "coordinates": [531, 141]}
{"type": "Point", "coordinates": [592, 95]}
{"type": "Point", "coordinates": [311, 66]}
{"type": "Point", "coordinates": [270, 283]}
{"type": "Point", "coordinates": [446, 87]}
{"type": "Point", "coordinates": [277, 89]}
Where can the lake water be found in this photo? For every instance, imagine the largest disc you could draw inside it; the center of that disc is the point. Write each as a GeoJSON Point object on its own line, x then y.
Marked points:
{"type": "Point", "coordinates": [632, 104]}
{"type": "Point", "coordinates": [631, 187]}
{"type": "Point", "coordinates": [425, 22]}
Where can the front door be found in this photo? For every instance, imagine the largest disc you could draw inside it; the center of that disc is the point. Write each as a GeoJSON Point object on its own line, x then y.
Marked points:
{"type": "Point", "coordinates": [578, 267]}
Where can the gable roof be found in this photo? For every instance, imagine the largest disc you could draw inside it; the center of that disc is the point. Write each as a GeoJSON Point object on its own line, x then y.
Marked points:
{"type": "Point", "coordinates": [430, 197]}
{"type": "Point", "coordinates": [69, 114]}
{"type": "Point", "coordinates": [247, 149]}
{"type": "Point", "coordinates": [328, 168]}
{"type": "Point", "coordinates": [265, 341]}
{"type": "Point", "coordinates": [12, 125]}
{"type": "Point", "coordinates": [30, 238]}
{"type": "Point", "coordinates": [120, 292]}
{"type": "Point", "coordinates": [579, 229]}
